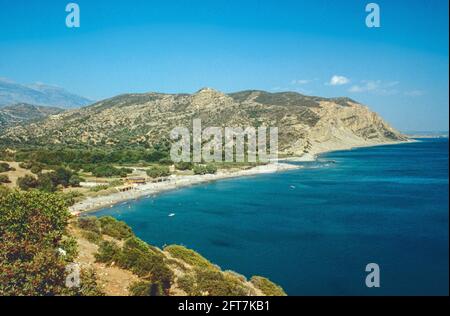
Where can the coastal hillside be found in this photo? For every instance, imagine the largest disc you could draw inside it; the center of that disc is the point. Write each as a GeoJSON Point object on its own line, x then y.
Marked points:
{"type": "Point", "coordinates": [306, 124]}
{"type": "Point", "coordinates": [42, 244]}
{"type": "Point", "coordinates": [126, 265]}
{"type": "Point", "coordinates": [21, 113]}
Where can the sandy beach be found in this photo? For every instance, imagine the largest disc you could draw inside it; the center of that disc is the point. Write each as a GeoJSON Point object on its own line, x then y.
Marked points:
{"type": "Point", "coordinates": [174, 182]}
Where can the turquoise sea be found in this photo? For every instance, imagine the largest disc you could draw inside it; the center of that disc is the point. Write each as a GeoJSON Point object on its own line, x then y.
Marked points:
{"type": "Point", "coordinates": [314, 230]}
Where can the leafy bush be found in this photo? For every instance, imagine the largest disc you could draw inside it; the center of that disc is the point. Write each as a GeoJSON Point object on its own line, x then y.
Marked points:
{"type": "Point", "coordinates": [146, 262]}
{"type": "Point", "coordinates": [36, 169]}
{"type": "Point", "coordinates": [4, 178]}
{"type": "Point", "coordinates": [189, 256]}
{"type": "Point", "coordinates": [4, 167]}
{"type": "Point", "coordinates": [212, 282]}
{"type": "Point", "coordinates": [184, 165]}
{"type": "Point", "coordinates": [27, 182]}
{"type": "Point", "coordinates": [75, 180]}
{"type": "Point", "coordinates": [110, 171]}
{"type": "Point", "coordinates": [89, 223]}
{"type": "Point", "coordinates": [208, 169]}
{"type": "Point", "coordinates": [32, 230]}
{"type": "Point", "coordinates": [93, 237]}
{"type": "Point", "coordinates": [70, 197]}
{"type": "Point", "coordinates": [108, 252]}
{"type": "Point", "coordinates": [26, 165]}
{"type": "Point", "coordinates": [158, 171]}
{"type": "Point", "coordinates": [99, 188]}
{"type": "Point", "coordinates": [4, 191]}
{"type": "Point", "coordinates": [47, 182]}
{"type": "Point", "coordinates": [267, 287]}
{"type": "Point", "coordinates": [63, 176]}
{"type": "Point", "coordinates": [114, 228]}
{"type": "Point", "coordinates": [146, 289]}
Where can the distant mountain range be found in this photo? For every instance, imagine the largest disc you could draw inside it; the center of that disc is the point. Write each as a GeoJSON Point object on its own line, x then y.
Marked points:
{"type": "Point", "coordinates": [22, 113]}
{"type": "Point", "coordinates": [306, 124]}
{"type": "Point", "coordinates": [39, 94]}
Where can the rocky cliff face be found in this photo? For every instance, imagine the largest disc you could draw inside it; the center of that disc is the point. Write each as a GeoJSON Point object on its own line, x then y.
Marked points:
{"type": "Point", "coordinates": [305, 123]}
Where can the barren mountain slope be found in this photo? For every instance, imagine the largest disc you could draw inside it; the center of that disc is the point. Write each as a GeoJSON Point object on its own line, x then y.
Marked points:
{"type": "Point", "coordinates": [306, 124]}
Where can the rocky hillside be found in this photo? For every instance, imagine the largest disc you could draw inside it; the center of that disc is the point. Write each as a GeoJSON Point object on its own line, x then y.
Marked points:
{"type": "Point", "coordinates": [22, 112]}
{"type": "Point", "coordinates": [306, 124]}
{"type": "Point", "coordinates": [126, 265]}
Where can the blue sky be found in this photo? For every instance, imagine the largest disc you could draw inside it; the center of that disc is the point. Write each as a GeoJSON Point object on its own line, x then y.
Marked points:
{"type": "Point", "coordinates": [400, 69]}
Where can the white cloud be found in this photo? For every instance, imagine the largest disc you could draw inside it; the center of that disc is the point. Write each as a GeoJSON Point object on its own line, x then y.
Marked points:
{"type": "Point", "coordinates": [338, 80]}
{"type": "Point", "coordinates": [300, 81]}
{"type": "Point", "coordinates": [414, 93]}
{"type": "Point", "coordinates": [375, 86]}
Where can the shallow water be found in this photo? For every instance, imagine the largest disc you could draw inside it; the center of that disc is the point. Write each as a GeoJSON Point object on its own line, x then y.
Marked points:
{"type": "Point", "coordinates": [314, 230]}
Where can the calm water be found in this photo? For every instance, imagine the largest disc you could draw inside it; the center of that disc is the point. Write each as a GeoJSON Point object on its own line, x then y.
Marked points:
{"type": "Point", "coordinates": [314, 230]}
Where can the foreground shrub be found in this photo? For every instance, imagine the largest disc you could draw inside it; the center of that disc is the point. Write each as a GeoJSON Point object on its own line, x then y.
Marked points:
{"type": "Point", "coordinates": [93, 237]}
{"type": "Point", "coordinates": [267, 287]}
{"type": "Point", "coordinates": [184, 165]}
{"type": "Point", "coordinates": [189, 256]}
{"type": "Point", "coordinates": [213, 282]}
{"type": "Point", "coordinates": [27, 182]}
{"type": "Point", "coordinates": [146, 289]}
{"type": "Point", "coordinates": [4, 178]}
{"type": "Point", "coordinates": [158, 171]}
{"type": "Point", "coordinates": [4, 167]}
{"type": "Point", "coordinates": [32, 235]}
{"type": "Point", "coordinates": [108, 252]}
{"type": "Point", "coordinates": [89, 223]}
{"type": "Point", "coordinates": [208, 169]}
{"type": "Point", "coordinates": [114, 228]}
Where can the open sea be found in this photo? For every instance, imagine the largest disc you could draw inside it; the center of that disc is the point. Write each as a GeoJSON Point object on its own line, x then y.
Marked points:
{"type": "Point", "coordinates": [314, 230]}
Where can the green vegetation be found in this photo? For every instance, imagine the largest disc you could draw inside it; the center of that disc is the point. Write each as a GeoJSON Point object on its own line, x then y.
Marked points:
{"type": "Point", "coordinates": [79, 157]}
{"type": "Point", "coordinates": [267, 287]}
{"type": "Point", "coordinates": [143, 260]}
{"type": "Point", "coordinates": [146, 289]}
{"type": "Point", "coordinates": [114, 228]}
{"type": "Point", "coordinates": [158, 171]}
{"type": "Point", "coordinates": [36, 248]}
{"type": "Point", "coordinates": [32, 235]}
{"type": "Point", "coordinates": [108, 252]}
{"type": "Point", "coordinates": [205, 169]}
{"type": "Point", "coordinates": [213, 282]}
{"type": "Point", "coordinates": [4, 167]}
{"type": "Point", "coordinates": [107, 171]}
{"type": "Point", "coordinates": [49, 181]}
{"type": "Point", "coordinates": [36, 169]}
{"type": "Point", "coordinates": [93, 237]}
{"type": "Point", "coordinates": [4, 178]}
{"type": "Point", "coordinates": [99, 188]}
{"type": "Point", "coordinates": [4, 190]}
{"type": "Point", "coordinates": [184, 166]}
{"type": "Point", "coordinates": [106, 225]}
{"type": "Point", "coordinates": [189, 256]}
{"type": "Point", "coordinates": [27, 182]}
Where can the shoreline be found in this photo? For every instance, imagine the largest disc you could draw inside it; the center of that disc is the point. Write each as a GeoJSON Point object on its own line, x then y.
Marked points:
{"type": "Point", "coordinates": [314, 155]}
{"type": "Point", "coordinates": [92, 204]}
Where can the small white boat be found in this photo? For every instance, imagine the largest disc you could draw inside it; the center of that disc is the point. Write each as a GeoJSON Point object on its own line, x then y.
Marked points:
{"type": "Point", "coordinates": [292, 187]}
{"type": "Point", "coordinates": [171, 214]}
